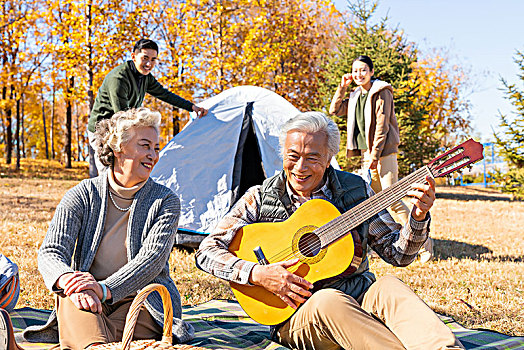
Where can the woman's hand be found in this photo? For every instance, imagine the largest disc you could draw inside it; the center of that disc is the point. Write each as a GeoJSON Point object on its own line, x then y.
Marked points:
{"type": "Point", "coordinates": [373, 164]}
{"type": "Point", "coordinates": [292, 289]}
{"type": "Point", "coordinates": [422, 197]}
{"type": "Point", "coordinates": [370, 163]}
{"type": "Point", "coordinates": [81, 281]}
{"type": "Point", "coordinates": [346, 80]}
{"type": "Point", "coordinates": [66, 277]}
{"type": "Point", "coordinates": [87, 300]}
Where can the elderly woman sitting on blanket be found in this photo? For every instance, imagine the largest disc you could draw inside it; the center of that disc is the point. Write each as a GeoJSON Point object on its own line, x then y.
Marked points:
{"type": "Point", "coordinates": [111, 236]}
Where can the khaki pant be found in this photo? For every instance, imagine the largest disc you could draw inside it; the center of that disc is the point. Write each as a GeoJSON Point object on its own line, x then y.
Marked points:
{"type": "Point", "coordinates": [77, 329]}
{"type": "Point", "coordinates": [95, 165]}
{"type": "Point", "coordinates": [382, 177]}
{"type": "Point", "coordinates": [388, 316]}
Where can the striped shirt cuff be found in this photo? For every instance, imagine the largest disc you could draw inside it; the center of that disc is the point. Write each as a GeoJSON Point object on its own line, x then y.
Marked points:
{"type": "Point", "coordinates": [245, 271]}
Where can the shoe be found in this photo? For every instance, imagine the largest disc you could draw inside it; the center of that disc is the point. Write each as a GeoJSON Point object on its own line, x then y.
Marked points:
{"type": "Point", "coordinates": [426, 252]}
{"type": "Point", "coordinates": [7, 334]}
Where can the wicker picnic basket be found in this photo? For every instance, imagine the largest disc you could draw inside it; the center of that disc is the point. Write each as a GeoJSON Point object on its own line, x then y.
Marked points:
{"type": "Point", "coordinates": [131, 318]}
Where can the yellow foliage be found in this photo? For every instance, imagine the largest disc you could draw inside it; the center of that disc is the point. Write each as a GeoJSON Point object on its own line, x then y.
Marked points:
{"type": "Point", "coordinates": [62, 51]}
{"type": "Point", "coordinates": [439, 90]}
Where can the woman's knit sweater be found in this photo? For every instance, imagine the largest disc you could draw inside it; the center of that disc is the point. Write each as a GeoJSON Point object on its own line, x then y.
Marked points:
{"type": "Point", "coordinates": [75, 233]}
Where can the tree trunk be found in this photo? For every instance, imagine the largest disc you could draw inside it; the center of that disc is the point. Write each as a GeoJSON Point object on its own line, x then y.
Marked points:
{"type": "Point", "coordinates": [9, 140]}
{"type": "Point", "coordinates": [52, 127]}
{"type": "Point", "coordinates": [90, 73]}
{"type": "Point", "coordinates": [69, 117]}
{"type": "Point", "coordinates": [78, 147]}
{"type": "Point", "coordinates": [17, 134]}
{"type": "Point", "coordinates": [44, 125]}
{"type": "Point", "coordinates": [22, 127]}
{"type": "Point", "coordinates": [4, 128]}
{"type": "Point", "coordinates": [176, 121]}
{"type": "Point", "coordinates": [93, 171]}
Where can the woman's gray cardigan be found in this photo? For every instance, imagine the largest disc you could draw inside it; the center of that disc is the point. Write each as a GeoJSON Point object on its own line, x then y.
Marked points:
{"type": "Point", "coordinates": [76, 230]}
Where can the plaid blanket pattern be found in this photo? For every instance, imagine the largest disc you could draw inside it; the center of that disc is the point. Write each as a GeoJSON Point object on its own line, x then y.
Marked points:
{"type": "Point", "coordinates": [222, 324]}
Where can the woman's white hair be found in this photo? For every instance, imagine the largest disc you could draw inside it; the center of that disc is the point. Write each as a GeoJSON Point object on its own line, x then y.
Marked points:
{"type": "Point", "coordinates": [111, 134]}
{"type": "Point", "coordinates": [312, 122]}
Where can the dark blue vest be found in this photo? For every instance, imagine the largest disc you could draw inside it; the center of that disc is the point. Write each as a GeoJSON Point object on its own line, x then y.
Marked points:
{"type": "Point", "coordinates": [348, 190]}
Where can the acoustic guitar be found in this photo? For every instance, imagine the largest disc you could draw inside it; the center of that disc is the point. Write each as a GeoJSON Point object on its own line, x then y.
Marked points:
{"type": "Point", "coordinates": [322, 239]}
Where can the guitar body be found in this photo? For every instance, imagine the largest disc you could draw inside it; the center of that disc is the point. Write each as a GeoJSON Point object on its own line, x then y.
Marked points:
{"type": "Point", "coordinates": [287, 240]}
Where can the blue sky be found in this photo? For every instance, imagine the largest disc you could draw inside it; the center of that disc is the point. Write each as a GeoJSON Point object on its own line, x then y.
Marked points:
{"type": "Point", "coordinates": [481, 35]}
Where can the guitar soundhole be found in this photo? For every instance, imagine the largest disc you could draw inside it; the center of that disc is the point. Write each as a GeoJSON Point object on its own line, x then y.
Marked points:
{"type": "Point", "coordinates": [309, 245]}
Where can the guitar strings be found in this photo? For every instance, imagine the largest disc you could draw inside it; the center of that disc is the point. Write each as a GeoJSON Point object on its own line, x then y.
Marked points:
{"type": "Point", "coordinates": [395, 193]}
{"type": "Point", "coordinates": [362, 211]}
{"type": "Point", "coordinates": [354, 217]}
{"type": "Point", "coordinates": [325, 230]}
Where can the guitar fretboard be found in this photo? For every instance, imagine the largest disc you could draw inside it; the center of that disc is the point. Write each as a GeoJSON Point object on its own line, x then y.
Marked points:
{"type": "Point", "coordinates": [342, 225]}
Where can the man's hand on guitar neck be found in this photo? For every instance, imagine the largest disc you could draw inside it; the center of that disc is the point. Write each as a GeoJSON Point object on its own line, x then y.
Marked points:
{"type": "Point", "coordinates": [422, 197]}
{"type": "Point", "coordinates": [292, 289]}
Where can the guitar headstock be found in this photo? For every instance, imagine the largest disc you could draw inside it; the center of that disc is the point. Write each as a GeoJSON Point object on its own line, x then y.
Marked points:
{"type": "Point", "coordinates": [456, 158]}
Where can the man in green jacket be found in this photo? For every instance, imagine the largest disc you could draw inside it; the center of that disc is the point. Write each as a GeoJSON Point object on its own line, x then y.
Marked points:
{"type": "Point", "coordinates": [125, 87]}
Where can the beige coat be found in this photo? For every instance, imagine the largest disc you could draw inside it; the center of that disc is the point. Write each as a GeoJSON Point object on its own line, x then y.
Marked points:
{"type": "Point", "coordinates": [382, 133]}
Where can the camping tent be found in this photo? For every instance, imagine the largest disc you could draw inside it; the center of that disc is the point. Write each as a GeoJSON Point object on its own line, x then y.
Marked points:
{"type": "Point", "coordinates": [215, 159]}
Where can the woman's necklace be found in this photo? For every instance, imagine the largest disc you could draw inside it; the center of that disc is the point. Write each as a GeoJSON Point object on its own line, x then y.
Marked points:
{"type": "Point", "coordinates": [116, 206]}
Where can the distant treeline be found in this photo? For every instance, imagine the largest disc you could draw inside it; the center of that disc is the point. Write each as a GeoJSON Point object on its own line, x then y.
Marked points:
{"type": "Point", "coordinates": [55, 55]}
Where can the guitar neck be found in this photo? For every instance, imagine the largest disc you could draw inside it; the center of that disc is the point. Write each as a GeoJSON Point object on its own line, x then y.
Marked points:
{"type": "Point", "coordinates": [342, 225]}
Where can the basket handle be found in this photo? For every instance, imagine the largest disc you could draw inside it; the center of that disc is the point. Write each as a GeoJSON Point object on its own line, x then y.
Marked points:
{"type": "Point", "coordinates": [134, 310]}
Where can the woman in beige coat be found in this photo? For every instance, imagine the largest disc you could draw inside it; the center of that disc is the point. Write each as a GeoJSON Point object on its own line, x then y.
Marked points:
{"type": "Point", "coordinates": [372, 131]}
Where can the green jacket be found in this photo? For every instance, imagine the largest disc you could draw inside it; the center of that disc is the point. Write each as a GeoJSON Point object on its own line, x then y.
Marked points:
{"type": "Point", "coordinates": [119, 92]}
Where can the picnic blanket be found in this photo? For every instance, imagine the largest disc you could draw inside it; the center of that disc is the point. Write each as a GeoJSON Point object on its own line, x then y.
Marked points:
{"type": "Point", "coordinates": [222, 324]}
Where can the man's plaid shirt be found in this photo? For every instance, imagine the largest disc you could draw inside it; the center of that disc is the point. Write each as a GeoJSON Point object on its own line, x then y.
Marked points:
{"type": "Point", "coordinates": [397, 245]}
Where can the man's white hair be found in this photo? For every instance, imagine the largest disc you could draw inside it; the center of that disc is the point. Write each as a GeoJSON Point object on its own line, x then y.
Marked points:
{"type": "Point", "coordinates": [312, 122]}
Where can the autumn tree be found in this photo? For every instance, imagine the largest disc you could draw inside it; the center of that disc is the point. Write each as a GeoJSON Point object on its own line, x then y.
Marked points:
{"type": "Point", "coordinates": [438, 106]}
{"type": "Point", "coordinates": [510, 140]}
{"type": "Point", "coordinates": [284, 46]}
{"type": "Point", "coordinates": [15, 18]}
{"type": "Point", "coordinates": [180, 32]}
{"type": "Point", "coordinates": [64, 18]}
{"type": "Point", "coordinates": [210, 46]}
{"type": "Point", "coordinates": [393, 58]}
{"type": "Point", "coordinates": [28, 68]}
{"type": "Point", "coordinates": [273, 44]}
{"type": "Point", "coordinates": [21, 59]}
{"type": "Point", "coordinates": [429, 102]}
{"type": "Point", "coordinates": [223, 33]}
{"type": "Point", "coordinates": [440, 91]}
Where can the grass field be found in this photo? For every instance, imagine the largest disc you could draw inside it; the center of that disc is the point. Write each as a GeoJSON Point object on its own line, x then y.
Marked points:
{"type": "Point", "coordinates": [477, 276]}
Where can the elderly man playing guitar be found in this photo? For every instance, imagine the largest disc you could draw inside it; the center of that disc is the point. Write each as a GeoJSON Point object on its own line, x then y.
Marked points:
{"type": "Point", "coordinates": [351, 309]}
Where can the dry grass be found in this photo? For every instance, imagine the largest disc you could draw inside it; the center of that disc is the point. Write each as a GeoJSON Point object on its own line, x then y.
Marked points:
{"type": "Point", "coordinates": [478, 276]}
{"type": "Point", "coordinates": [43, 169]}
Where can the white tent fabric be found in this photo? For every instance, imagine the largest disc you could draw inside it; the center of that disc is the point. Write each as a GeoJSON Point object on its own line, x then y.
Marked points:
{"type": "Point", "coordinates": [197, 164]}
